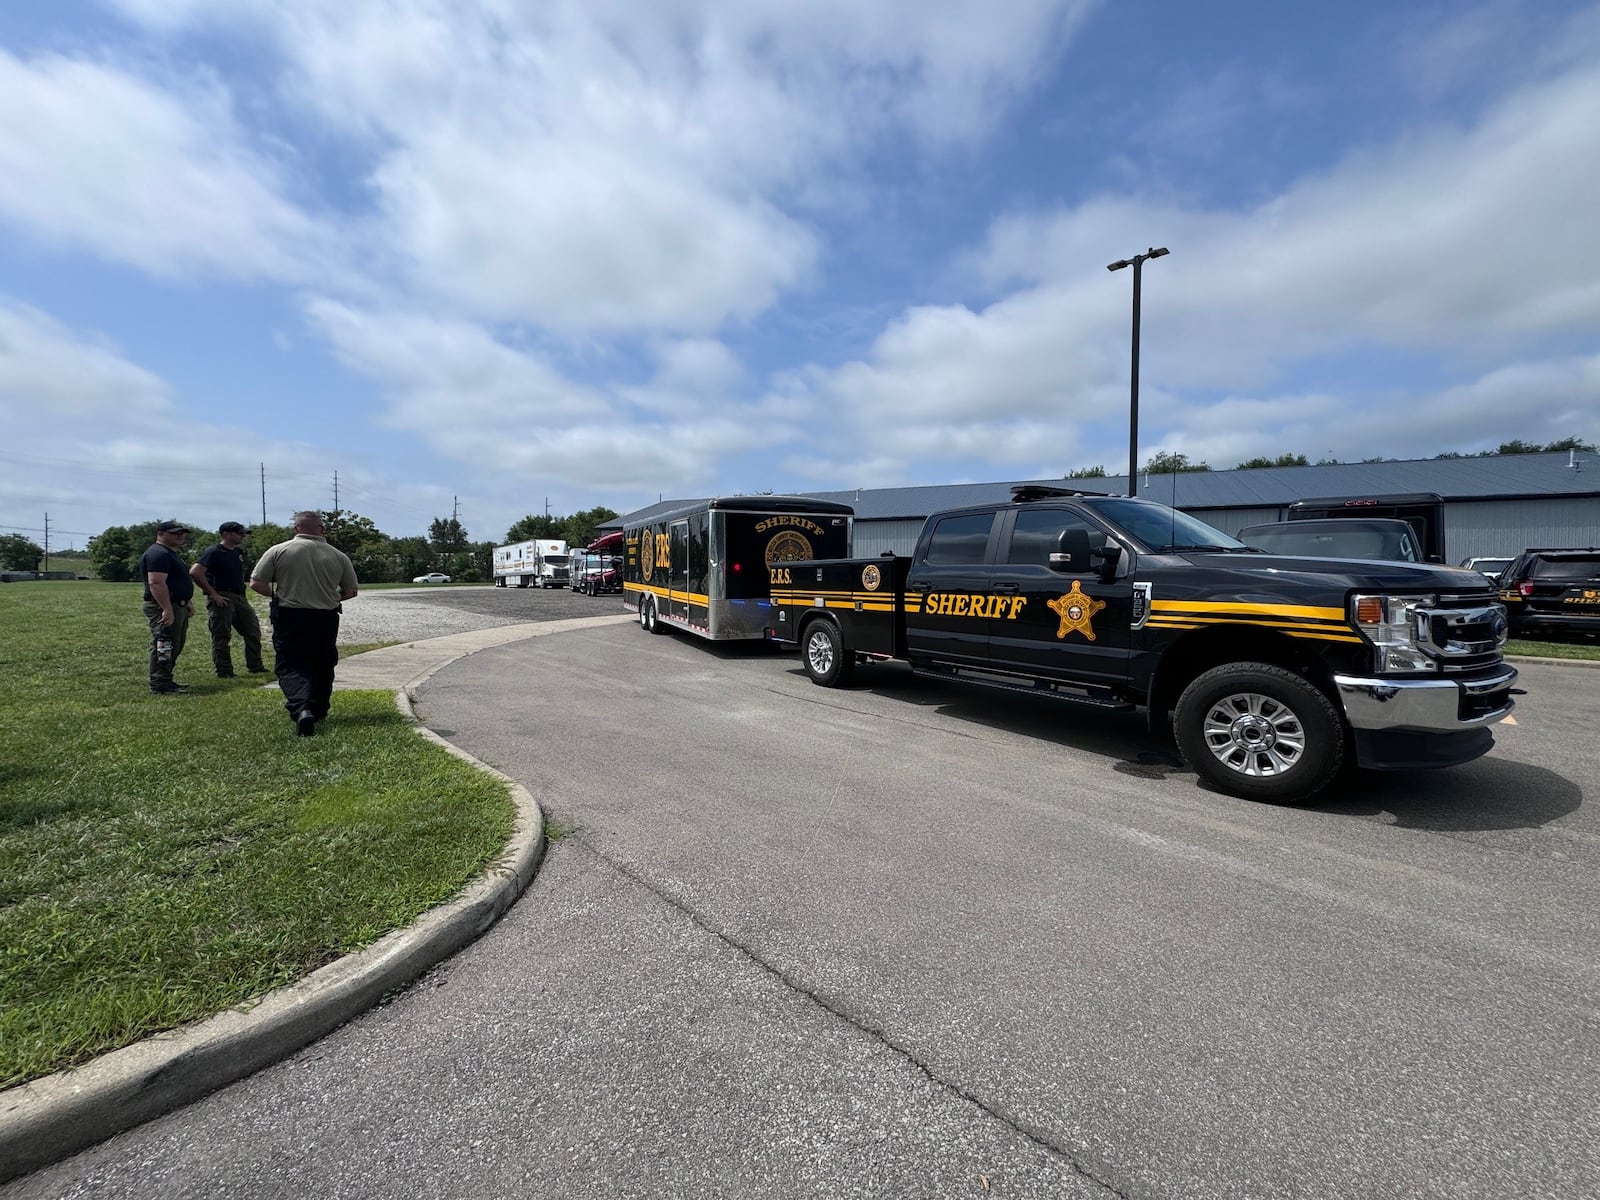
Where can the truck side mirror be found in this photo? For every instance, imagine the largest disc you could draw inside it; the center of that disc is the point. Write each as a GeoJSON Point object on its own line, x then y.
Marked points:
{"type": "Point", "coordinates": [1109, 556]}
{"type": "Point", "coordinates": [1072, 552]}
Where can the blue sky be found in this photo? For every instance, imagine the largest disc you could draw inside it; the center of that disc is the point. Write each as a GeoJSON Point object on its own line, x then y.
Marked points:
{"type": "Point", "coordinates": [488, 255]}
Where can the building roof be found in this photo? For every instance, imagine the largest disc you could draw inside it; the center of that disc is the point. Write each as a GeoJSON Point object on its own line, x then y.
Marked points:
{"type": "Point", "coordinates": [1497, 477]}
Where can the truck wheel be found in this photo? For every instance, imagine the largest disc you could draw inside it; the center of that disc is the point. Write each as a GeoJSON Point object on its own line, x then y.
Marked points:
{"type": "Point", "coordinates": [1259, 732]}
{"type": "Point", "coordinates": [651, 622]}
{"type": "Point", "coordinates": [827, 662]}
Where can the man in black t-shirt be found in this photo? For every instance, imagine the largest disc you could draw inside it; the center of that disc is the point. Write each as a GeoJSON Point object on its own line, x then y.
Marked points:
{"type": "Point", "coordinates": [167, 592]}
{"type": "Point", "coordinates": [220, 574]}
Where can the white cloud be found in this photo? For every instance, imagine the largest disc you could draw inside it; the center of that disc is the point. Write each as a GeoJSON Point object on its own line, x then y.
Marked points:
{"type": "Point", "coordinates": [95, 439]}
{"type": "Point", "coordinates": [583, 237]}
{"type": "Point", "coordinates": [1445, 244]}
{"type": "Point", "coordinates": [508, 412]}
{"type": "Point", "coordinates": [95, 157]}
{"type": "Point", "coordinates": [610, 166]}
{"type": "Point", "coordinates": [49, 375]}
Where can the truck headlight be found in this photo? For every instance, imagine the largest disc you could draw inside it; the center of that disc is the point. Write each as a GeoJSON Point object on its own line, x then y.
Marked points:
{"type": "Point", "coordinates": [1396, 625]}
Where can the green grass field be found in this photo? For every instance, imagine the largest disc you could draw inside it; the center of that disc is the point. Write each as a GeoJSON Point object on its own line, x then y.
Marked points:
{"type": "Point", "coordinates": [166, 857]}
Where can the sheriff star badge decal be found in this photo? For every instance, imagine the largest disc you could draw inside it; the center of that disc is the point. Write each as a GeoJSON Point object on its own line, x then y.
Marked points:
{"type": "Point", "coordinates": [1075, 609]}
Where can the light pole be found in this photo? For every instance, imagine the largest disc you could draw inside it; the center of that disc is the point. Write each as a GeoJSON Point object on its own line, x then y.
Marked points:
{"type": "Point", "coordinates": [1137, 263]}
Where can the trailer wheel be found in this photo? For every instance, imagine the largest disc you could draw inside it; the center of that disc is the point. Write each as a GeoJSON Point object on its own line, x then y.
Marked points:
{"type": "Point", "coordinates": [1259, 732]}
{"type": "Point", "coordinates": [650, 620]}
{"type": "Point", "coordinates": [827, 661]}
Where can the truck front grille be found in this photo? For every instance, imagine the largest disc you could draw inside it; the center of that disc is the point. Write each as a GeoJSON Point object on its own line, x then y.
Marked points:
{"type": "Point", "coordinates": [1463, 632]}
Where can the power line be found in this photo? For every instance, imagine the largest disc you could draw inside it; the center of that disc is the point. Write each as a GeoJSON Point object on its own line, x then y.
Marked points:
{"type": "Point", "coordinates": [49, 529]}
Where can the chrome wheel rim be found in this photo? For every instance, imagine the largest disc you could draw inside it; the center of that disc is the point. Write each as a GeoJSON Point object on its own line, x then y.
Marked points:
{"type": "Point", "coordinates": [1254, 735]}
{"type": "Point", "coordinates": [819, 653]}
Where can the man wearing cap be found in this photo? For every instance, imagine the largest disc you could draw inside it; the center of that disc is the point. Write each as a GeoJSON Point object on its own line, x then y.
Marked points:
{"type": "Point", "coordinates": [220, 574]}
{"type": "Point", "coordinates": [167, 592]}
{"type": "Point", "coordinates": [307, 580]}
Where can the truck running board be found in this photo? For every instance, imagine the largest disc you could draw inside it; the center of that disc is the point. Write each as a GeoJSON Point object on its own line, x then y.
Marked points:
{"type": "Point", "coordinates": [1073, 692]}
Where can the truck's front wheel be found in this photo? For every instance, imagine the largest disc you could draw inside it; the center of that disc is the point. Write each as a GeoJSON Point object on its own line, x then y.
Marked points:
{"type": "Point", "coordinates": [827, 661]}
{"type": "Point", "coordinates": [1260, 732]}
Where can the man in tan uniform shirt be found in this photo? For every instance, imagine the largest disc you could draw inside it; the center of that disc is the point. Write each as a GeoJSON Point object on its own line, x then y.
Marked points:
{"type": "Point", "coordinates": [307, 580]}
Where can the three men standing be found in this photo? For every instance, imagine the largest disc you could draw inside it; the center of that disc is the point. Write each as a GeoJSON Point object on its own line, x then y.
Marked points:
{"type": "Point", "coordinates": [220, 574]}
{"type": "Point", "coordinates": [167, 592]}
{"type": "Point", "coordinates": [307, 580]}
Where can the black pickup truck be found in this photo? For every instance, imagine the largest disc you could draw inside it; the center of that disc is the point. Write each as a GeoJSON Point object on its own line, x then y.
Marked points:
{"type": "Point", "coordinates": [1276, 671]}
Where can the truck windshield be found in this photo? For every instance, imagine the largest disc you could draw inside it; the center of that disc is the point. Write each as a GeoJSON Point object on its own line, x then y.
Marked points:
{"type": "Point", "coordinates": [1162, 530]}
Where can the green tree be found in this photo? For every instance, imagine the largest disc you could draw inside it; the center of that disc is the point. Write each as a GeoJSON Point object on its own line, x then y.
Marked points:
{"type": "Point", "coordinates": [261, 538]}
{"type": "Point", "coordinates": [581, 528]}
{"type": "Point", "coordinates": [1518, 446]}
{"type": "Point", "coordinates": [1086, 473]}
{"type": "Point", "coordinates": [1283, 460]}
{"type": "Point", "coordinates": [17, 553]}
{"type": "Point", "coordinates": [115, 551]}
{"type": "Point", "coordinates": [1166, 463]}
{"type": "Point", "coordinates": [532, 526]}
{"type": "Point", "coordinates": [1571, 443]}
{"type": "Point", "coordinates": [447, 536]}
{"type": "Point", "coordinates": [110, 554]}
{"type": "Point", "coordinates": [408, 558]}
{"type": "Point", "coordinates": [366, 544]}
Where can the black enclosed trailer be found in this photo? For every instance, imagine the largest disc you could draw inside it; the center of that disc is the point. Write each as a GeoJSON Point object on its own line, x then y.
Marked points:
{"type": "Point", "coordinates": [704, 568]}
{"type": "Point", "coordinates": [1423, 511]}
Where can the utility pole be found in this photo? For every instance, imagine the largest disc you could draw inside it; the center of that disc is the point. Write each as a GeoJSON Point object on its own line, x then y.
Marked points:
{"type": "Point", "coordinates": [547, 507]}
{"type": "Point", "coordinates": [47, 541]}
{"type": "Point", "coordinates": [455, 509]}
{"type": "Point", "coordinates": [263, 493]}
{"type": "Point", "coordinates": [336, 490]}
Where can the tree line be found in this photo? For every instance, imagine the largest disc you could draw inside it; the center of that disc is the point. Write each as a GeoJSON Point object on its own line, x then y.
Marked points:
{"type": "Point", "coordinates": [1168, 463]}
{"type": "Point", "coordinates": [378, 557]}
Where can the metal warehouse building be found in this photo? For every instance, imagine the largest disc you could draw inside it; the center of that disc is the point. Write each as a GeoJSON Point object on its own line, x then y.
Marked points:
{"type": "Point", "coordinates": [1492, 506]}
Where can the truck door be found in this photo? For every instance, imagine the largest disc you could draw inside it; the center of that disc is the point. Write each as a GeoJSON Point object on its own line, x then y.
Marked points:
{"type": "Point", "coordinates": [678, 570]}
{"type": "Point", "coordinates": [949, 574]}
{"type": "Point", "coordinates": [1070, 625]}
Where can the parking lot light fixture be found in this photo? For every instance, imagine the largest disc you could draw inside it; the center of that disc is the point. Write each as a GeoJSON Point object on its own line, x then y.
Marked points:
{"type": "Point", "coordinates": [1137, 263]}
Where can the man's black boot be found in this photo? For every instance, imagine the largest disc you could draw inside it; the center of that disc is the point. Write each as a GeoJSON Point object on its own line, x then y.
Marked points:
{"type": "Point", "coordinates": [169, 688]}
{"type": "Point", "coordinates": [304, 723]}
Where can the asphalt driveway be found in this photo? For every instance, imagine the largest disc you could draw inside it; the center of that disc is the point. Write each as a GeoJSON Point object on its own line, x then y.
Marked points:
{"type": "Point", "coordinates": [916, 940]}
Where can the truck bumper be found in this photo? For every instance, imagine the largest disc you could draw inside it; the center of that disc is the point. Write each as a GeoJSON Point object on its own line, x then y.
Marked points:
{"type": "Point", "coordinates": [1401, 724]}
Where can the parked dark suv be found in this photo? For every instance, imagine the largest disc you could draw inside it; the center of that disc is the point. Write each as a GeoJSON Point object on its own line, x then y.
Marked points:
{"type": "Point", "coordinates": [1553, 589]}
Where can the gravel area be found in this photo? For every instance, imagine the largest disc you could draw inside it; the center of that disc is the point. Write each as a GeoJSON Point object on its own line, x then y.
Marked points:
{"type": "Point", "coordinates": [404, 615]}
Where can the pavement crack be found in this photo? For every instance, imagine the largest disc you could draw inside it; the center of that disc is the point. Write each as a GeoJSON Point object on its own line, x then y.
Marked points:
{"type": "Point", "coordinates": [1022, 1128]}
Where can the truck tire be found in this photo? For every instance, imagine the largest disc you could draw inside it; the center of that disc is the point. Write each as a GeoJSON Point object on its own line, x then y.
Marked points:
{"type": "Point", "coordinates": [827, 661]}
{"type": "Point", "coordinates": [1259, 732]}
{"type": "Point", "coordinates": [650, 620]}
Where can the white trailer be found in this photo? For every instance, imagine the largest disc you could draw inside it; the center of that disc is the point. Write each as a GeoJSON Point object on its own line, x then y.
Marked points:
{"type": "Point", "coordinates": [538, 562]}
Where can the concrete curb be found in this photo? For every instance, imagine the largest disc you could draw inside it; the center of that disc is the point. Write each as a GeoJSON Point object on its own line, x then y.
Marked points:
{"type": "Point", "coordinates": [51, 1118]}
{"type": "Point", "coordinates": [1554, 662]}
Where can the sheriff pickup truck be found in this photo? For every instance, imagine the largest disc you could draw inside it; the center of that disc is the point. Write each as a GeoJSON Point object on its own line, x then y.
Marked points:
{"type": "Point", "coordinates": [1275, 671]}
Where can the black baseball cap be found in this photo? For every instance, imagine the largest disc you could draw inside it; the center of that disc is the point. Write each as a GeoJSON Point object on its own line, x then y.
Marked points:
{"type": "Point", "coordinates": [172, 527]}
{"type": "Point", "coordinates": [231, 527]}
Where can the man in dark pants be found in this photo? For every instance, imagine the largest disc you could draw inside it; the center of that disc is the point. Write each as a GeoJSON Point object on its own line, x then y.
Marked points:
{"type": "Point", "coordinates": [307, 579]}
{"type": "Point", "coordinates": [167, 592]}
{"type": "Point", "coordinates": [220, 574]}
